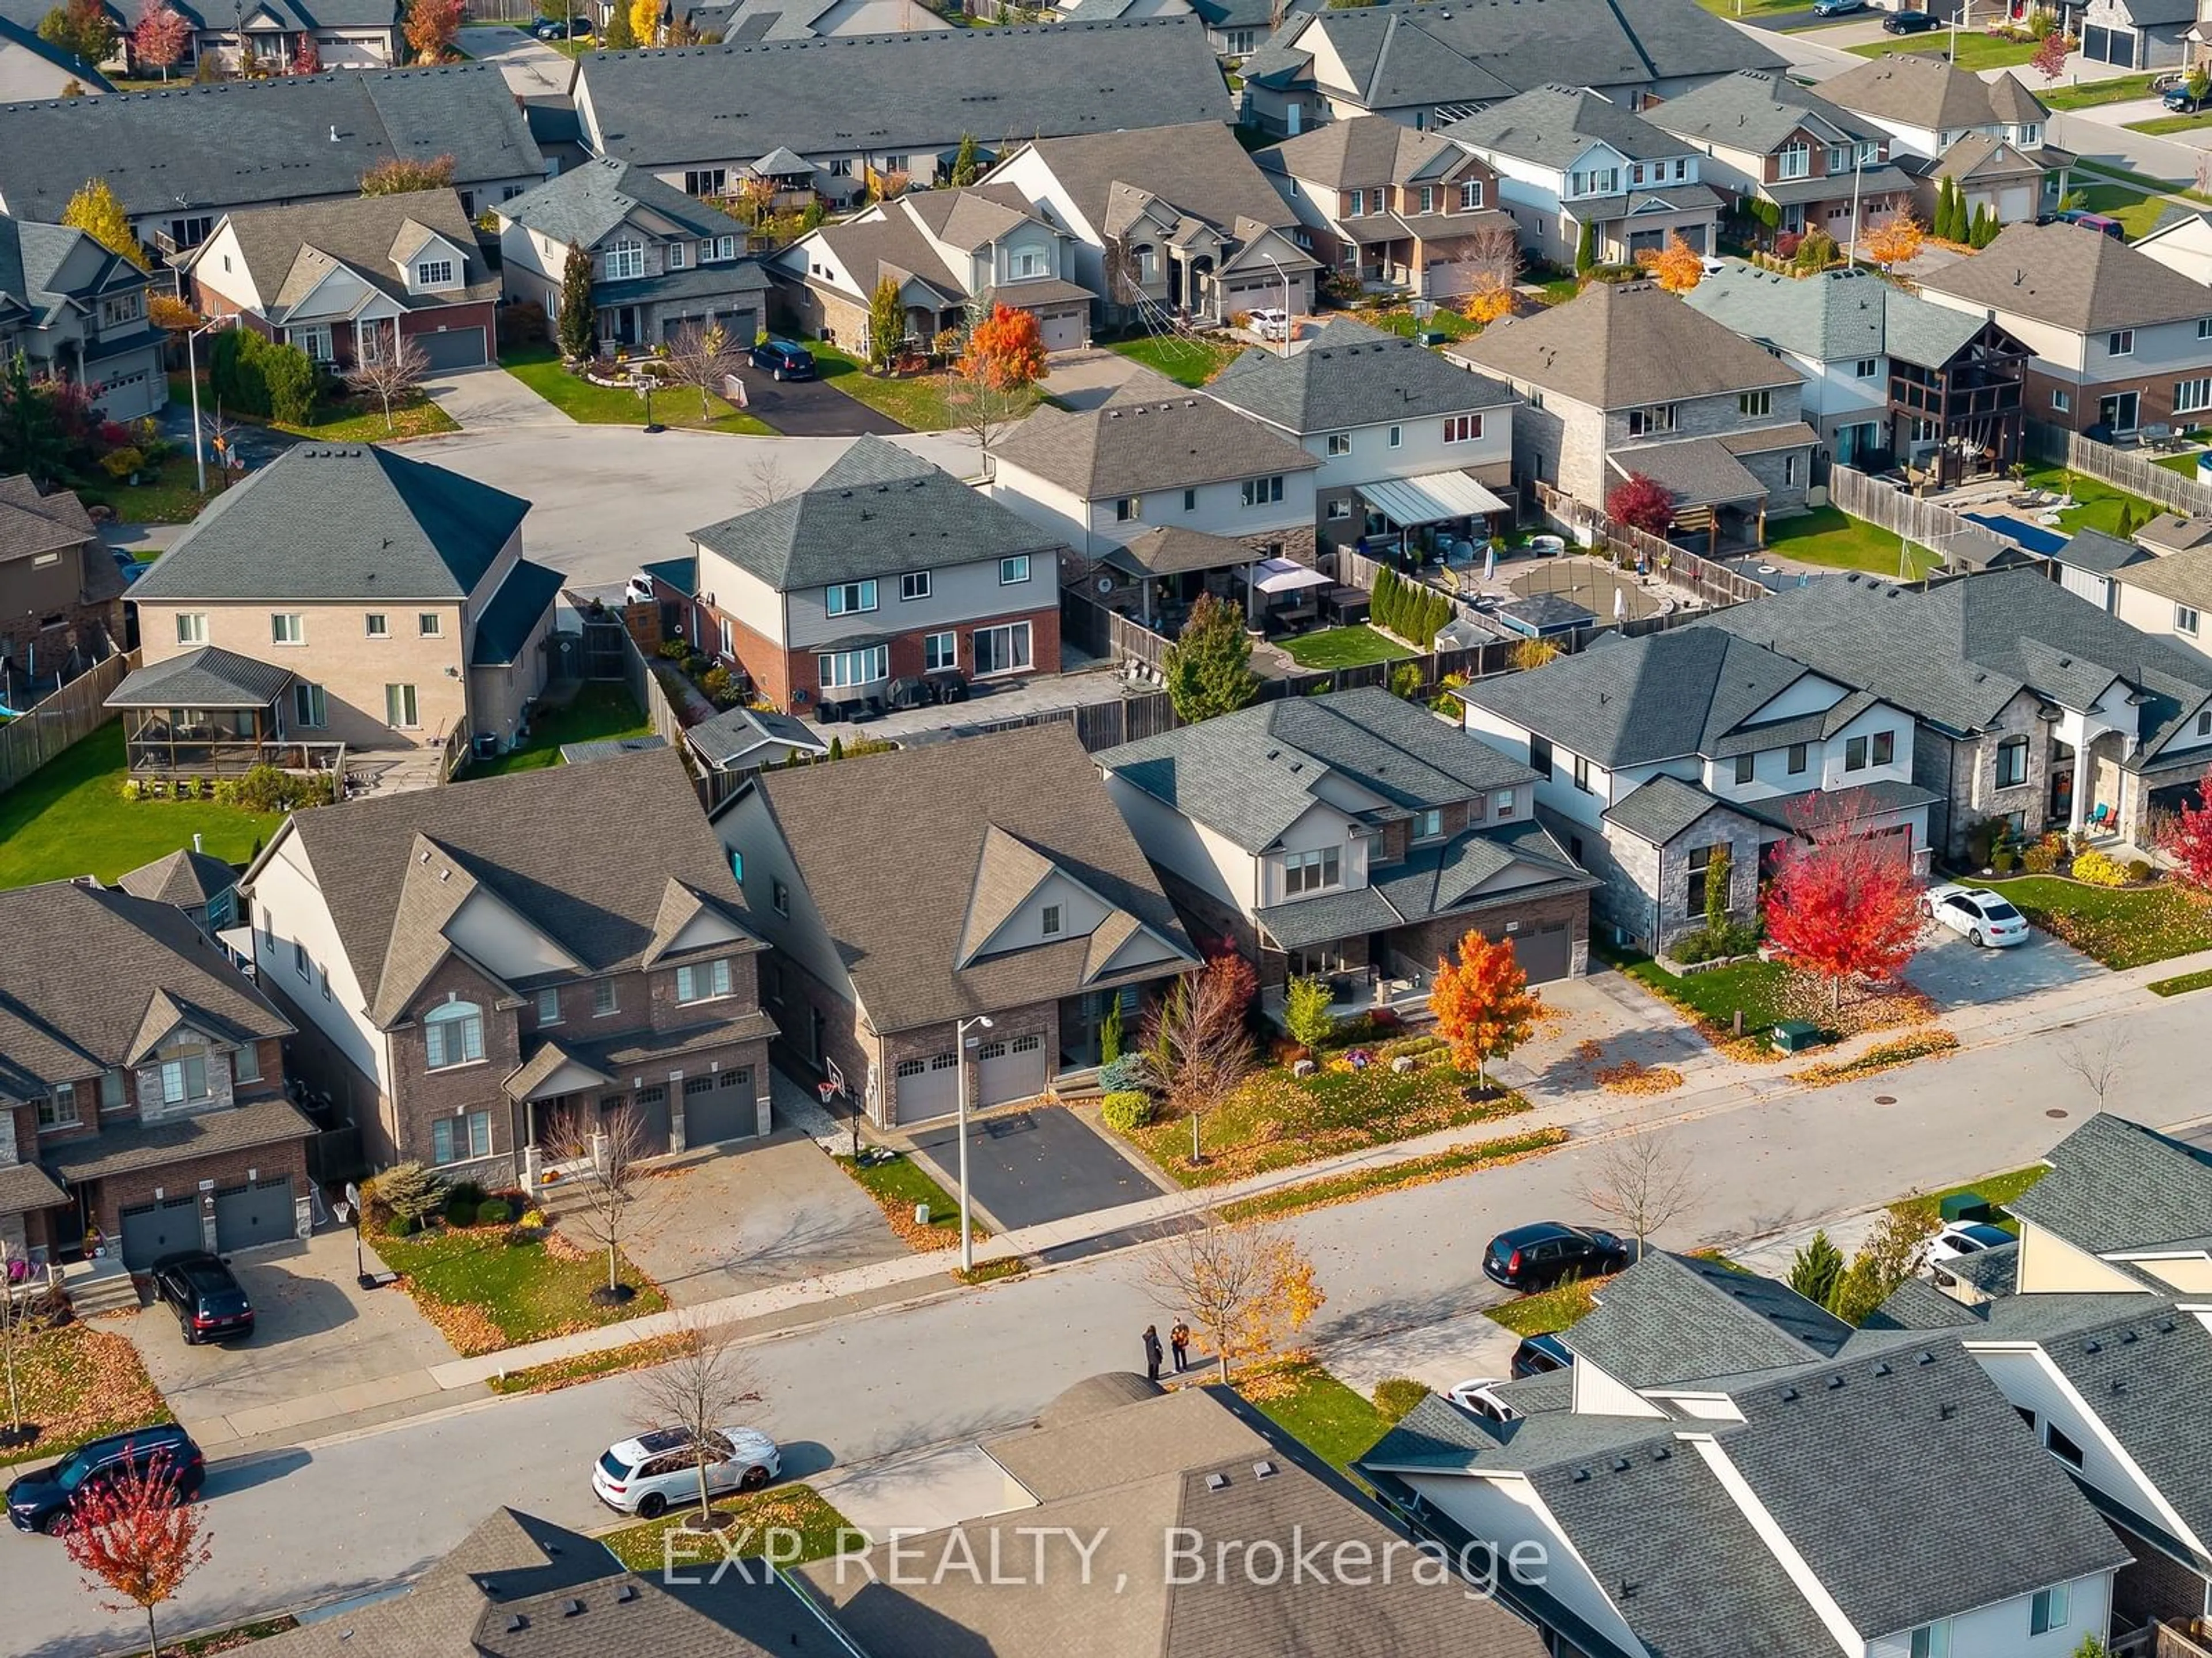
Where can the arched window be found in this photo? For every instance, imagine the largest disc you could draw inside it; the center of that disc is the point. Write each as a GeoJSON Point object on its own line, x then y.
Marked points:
{"type": "Point", "coordinates": [453, 1033]}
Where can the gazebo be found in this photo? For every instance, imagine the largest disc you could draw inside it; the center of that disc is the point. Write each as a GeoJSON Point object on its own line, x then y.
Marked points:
{"type": "Point", "coordinates": [211, 713]}
{"type": "Point", "coordinates": [1167, 568]}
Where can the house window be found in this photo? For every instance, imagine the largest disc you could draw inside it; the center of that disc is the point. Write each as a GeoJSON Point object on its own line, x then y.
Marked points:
{"type": "Point", "coordinates": [1932, 1641]}
{"type": "Point", "coordinates": [939, 651]}
{"type": "Point", "coordinates": [1854, 754]}
{"type": "Point", "coordinates": [121, 309]}
{"type": "Point", "coordinates": [1839, 158]}
{"type": "Point", "coordinates": [1013, 570]}
{"type": "Point", "coordinates": [2063, 401]}
{"type": "Point", "coordinates": [183, 1079]}
{"type": "Point", "coordinates": [842, 167]}
{"type": "Point", "coordinates": [1339, 443]}
{"type": "Point", "coordinates": [2204, 328]}
{"type": "Point", "coordinates": [458, 1139]}
{"type": "Point", "coordinates": [549, 1006]}
{"type": "Point", "coordinates": [894, 164]}
{"type": "Point", "coordinates": [1643, 423]}
{"type": "Point", "coordinates": [2049, 1610]}
{"type": "Point", "coordinates": [1428, 825]}
{"type": "Point", "coordinates": [1002, 650]}
{"type": "Point", "coordinates": [781, 897]}
{"type": "Point", "coordinates": [1397, 437]}
{"type": "Point", "coordinates": [300, 957]}
{"type": "Point", "coordinates": [1693, 899]}
{"type": "Point", "coordinates": [850, 597]}
{"type": "Point", "coordinates": [1049, 921]}
{"type": "Point", "coordinates": [2012, 762]}
{"type": "Point", "coordinates": [2059, 1445]}
{"type": "Point", "coordinates": [1745, 764]}
{"type": "Point", "coordinates": [1868, 369]}
{"type": "Point", "coordinates": [1127, 508]}
{"type": "Point", "coordinates": [914, 584]}
{"type": "Point", "coordinates": [1794, 160]}
{"type": "Point", "coordinates": [1506, 803]}
{"type": "Point", "coordinates": [1428, 198]}
{"type": "Point", "coordinates": [1470, 195]}
{"type": "Point", "coordinates": [428, 624]}
{"type": "Point", "coordinates": [400, 710]}
{"type": "Point", "coordinates": [842, 670]}
{"type": "Point", "coordinates": [58, 1109]}
{"type": "Point", "coordinates": [606, 997]}
{"type": "Point", "coordinates": [2120, 343]}
{"type": "Point", "coordinates": [703, 982]}
{"type": "Point", "coordinates": [1797, 759]}
{"type": "Point", "coordinates": [1581, 774]}
{"type": "Point", "coordinates": [680, 255]}
{"type": "Point", "coordinates": [1885, 748]}
{"type": "Point", "coordinates": [453, 1033]}
{"type": "Point", "coordinates": [722, 249]}
{"type": "Point", "coordinates": [1462, 429]}
{"type": "Point", "coordinates": [1540, 755]}
{"type": "Point", "coordinates": [2190, 396]}
{"type": "Point", "coordinates": [433, 273]}
{"type": "Point", "coordinates": [1239, 41]}
{"type": "Point", "coordinates": [308, 708]}
{"type": "Point", "coordinates": [246, 1063]}
{"type": "Point", "coordinates": [111, 1089]}
{"type": "Point", "coordinates": [288, 629]}
{"type": "Point", "coordinates": [377, 625]}
{"type": "Point", "coordinates": [315, 341]}
{"type": "Point", "coordinates": [624, 259]}
{"type": "Point", "coordinates": [1340, 508]}
{"type": "Point", "coordinates": [1789, 470]}
{"type": "Point", "coordinates": [1027, 262]}
{"type": "Point", "coordinates": [705, 180]}
{"type": "Point", "coordinates": [191, 627]}
{"type": "Point", "coordinates": [1312, 871]}
{"type": "Point", "coordinates": [1262, 492]}
{"type": "Point", "coordinates": [1754, 403]}
{"type": "Point", "coordinates": [1190, 500]}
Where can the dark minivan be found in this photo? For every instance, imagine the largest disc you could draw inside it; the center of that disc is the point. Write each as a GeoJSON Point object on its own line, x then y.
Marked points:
{"type": "Point", "coordinates": [211, 1304]}
{"type": "Point", "coordinates": [783, 360]}
{"type": "Point", "coordinates": [44, 1502]}
{"type": "Point", "coordinates": [1548, 1252]}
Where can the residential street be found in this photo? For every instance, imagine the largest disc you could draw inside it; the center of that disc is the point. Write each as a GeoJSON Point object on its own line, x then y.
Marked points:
{"type": "Point", "coordinates": [304, 1527]}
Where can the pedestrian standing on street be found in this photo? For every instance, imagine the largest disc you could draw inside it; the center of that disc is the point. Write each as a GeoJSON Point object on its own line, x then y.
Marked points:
{"type": "Point", "coordinates": [1151, 1352]}
{"type": "Point", "coordinates": [1179, 1339]}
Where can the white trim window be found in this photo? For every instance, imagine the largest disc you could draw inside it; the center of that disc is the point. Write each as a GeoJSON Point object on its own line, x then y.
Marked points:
{"type": "Point", "coordinates": [192, 627]}
{"type": "Point", "coordinates": [2186, 620]}
{"type": "Point", "coordinates": [939, 651]}
{"type": "Point", "coordinates": [453, 1034]}
{"type": "Point", "coordinates": [460, 1140]}
{"type": "Point", "coordinates": [678, 255]}
{"type": "Point", "coordinates": [624, 259]}
{"type": "Point", "coordinates": [1128, 509]}
{"type": "Point", "coordinates": [60, 1109]}
{"type": "Point", "coordinates": [1312, 870]}
{"type": "Point", "coordinates": [1794, 160]}
{"type": "Point", "coordinates": [185, 1079]}
{"type": "Point", "coordinates": [1014, 570]}
{"type": "Point", "coordinates": [705, 981]}
{"type": "Point", "coordinates": [1867, 368]}
{"type": "Point", "coordinates": [1002, 650]}
{"type": "Point", "coordinates": [1262, 492]}
{"type": "Point", "coordinates": [2192, 397]}
{"type": "Point", "coordinates": [435, 273]}
{"type": "Point", "coordinates": [288, 627]}
{"type": "Point", "coordinates": [850, 597]}
{"type": "Point", "coordinates": [606, 997]}
{"type": "Point", "coordinates": [549, 1006]}
{"type": "Point", "coordinates": [314, 340]}
{"type": "Point", "coordinates": [1339, 443]}
{"type": "Point", "coordinates": [2120, 343]}
{"type": "Point", "coordinates": [1470, 195]}
{"type": "Point", "coordinates": [2049, 1610]}
{"type": "Point", "coordinates": [401, 712]}
{"type": "Point", "coordinates": [429, 624]}
{"type": "Point", "coordinates": [1462, 429]}
{"type": "Point", "coordinates": [375, 624]}
{"type": "Point", "coordinates": [914, 584]}
{"type": "Point", "coordinates": [840, 670]}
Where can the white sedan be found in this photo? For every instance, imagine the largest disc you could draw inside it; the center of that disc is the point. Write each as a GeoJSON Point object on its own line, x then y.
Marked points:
{"type": "Point", "coordinates": [1985, 917]}
{"type": "Point", "coordinates": [1967, 1237]}
{"type": "Point", "coordinates": [1479, 1397]}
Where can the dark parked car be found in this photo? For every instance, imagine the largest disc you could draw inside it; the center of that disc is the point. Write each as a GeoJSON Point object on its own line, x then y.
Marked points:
{"type": "Point", "coordinates": [209, 1304]}
{"type": "Point", "coordinates": [1538, 1256]}
{"type": "Point", "coordinates": [576, 28]}
{"type": "Point", "coordinates": [1911, 23]}
{"type": "Point", "coordinates": [1539, 1354]}
{"type": "Point", "coordinates": [784, 360]}
{"type": "Point", "coordinates": [44, 1502]}
{"type": "Point", "coordinates": [1837, 7]}
{"type": "Point", "coordinates": [2182, 101]}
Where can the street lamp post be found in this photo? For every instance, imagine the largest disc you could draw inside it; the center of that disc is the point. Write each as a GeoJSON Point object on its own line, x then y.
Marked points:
{"type": "Point", "coordinates": [192, 374]}
{"type": "Point", "coordinates": [960, 1039]}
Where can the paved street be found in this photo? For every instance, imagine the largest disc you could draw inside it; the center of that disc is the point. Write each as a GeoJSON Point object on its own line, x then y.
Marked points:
{"type": "Point", "coordinates": [310, 1525]}
{"type": "Point", "coordinates": [533, 69]}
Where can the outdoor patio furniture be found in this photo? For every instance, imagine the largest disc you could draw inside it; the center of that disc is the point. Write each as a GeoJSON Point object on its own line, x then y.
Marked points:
{"type": "Point", "coordinates": [906, 693]}
{"type": "Point", "coordinates": [2099, 818]}
{"type": "Point", "coordinates": [948, 685]}
{"type": "Point", "coordinates": [828, 712]}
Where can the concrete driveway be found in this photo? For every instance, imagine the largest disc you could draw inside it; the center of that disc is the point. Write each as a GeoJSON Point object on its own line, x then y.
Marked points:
{"type": "Point", "coordinates": [811, 409]}
{"type": "Point", "coordinates": [322, 1347]}
{"type": "Point", "coordinates": [756, 1216]}
{"type": "Point", "coordinates": [1031, 1165]}
{"type": "Point", "coordinates": [1084, 380]}
{"type": "Point", "coordinates": [492, 400]}
{"type": "Point", "coordinates": [533, 69]}
{"type": "Point", "coordinates": [1954, 974]}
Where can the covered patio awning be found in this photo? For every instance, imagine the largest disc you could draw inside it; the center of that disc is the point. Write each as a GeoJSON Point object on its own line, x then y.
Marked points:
{"type": "Point", "coordinates": [209, 678]}
{"type": "Point", "coordinates": [1431, 498]}
{"type": "Point", "coordinates": [1281, 575]}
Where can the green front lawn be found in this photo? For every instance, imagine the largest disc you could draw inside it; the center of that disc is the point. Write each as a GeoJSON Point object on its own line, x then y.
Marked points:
{"type": "Point", "coordinates": [1828, 535]}
{"type": "Point", "coordinates": [484, 1293]}
{"type": "Point", "coordinates": [1758, 990]}
{"type": "Point", "coordinates": [2120, 927]}
{"type": "Point", "coordinates": [77, 1384]}
{"type": "Point", "coordinates": [791, 1523]}
{"type": "Point", "coordinates": [920, 403]}
{"type": "Point", "coordinates": [602, 709]}
{"type": "Point", "coordinates": [2097, 504]}
{"type": "Point", "coordinates": [2159, 126]}
{"type": "Point", "coordinates": [2138, 210]}
{"type": "Point", "coordinates": [1186, 358]}
{"type": "Point", "coordinates": [538, 367]}
{"type": "Point", "coordinates": [1311, 1406]}
{"type": "Point", "coordinates": [2181, 984]}
{"type": "Point", "coordinates": [69, 817]}
{"type": "Point", "coordinates": [1549, 1311]}
{"type": "Point", "coordinates": [352, 420]}
{"type": "Point", "coordinates": [1332, 1189]}
{"type": "Point", "coordinates": [898, 1184]}
{"type": "Point", "coordinates": [2185, 464]}
{"type": "Point", "coordinates": [2090, 94]}
{"type": "Point", "coordinates": [170, 495]}
{"type": "Point", "coordinates": [1999, 1189]}
{"type": "Point", "coordinates": [1344, 647]}
{"type": "Point", "coordinates": [1751, 8]}
{"type": "Point", "coordinates": [1449, 323]}
{"type": "Point", "coordinates": [1977, 51]}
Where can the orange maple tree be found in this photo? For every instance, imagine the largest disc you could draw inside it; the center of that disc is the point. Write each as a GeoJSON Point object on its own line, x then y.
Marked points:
{"type": "Point", "coordinates": [1895, 239]}
{"type": "Point", "coordinates": [2187, 839]}
{"type": "Point", "coordinates": [1678, 267]}
{"type": "Point", "coordinates": [136, 1539]}
{"type": "Point", "coordinates": [431, 27]}
{"type": "Point", "coordinates": [1004, 351]}
{"type": "Point", "coordinates": [1490, 298]}
{"type": "Point", "coordinates": [1483, 1005]}
{"type": "Point", "coordinates": [1844, 903]}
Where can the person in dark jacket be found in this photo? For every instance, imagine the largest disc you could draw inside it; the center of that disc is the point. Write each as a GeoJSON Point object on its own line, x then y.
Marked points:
{"type": "Point", "coordinates": [1179, 1343]}
{"type": "Point", "coordinates": [1153, 1352]}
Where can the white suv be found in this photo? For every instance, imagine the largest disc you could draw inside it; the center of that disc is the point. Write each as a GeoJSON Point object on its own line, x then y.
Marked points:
{"type": "Point", "coordinates": [657, 1471]}
{"type": "Point", "coordinates": [1271, 324]}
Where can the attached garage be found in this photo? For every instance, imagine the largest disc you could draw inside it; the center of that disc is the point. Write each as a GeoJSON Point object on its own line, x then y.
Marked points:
{"type": "Point", "coordinates": [653, 1119]}
{"type": "Point", "coordinates": [1062, 332]}
{"type": "Point", "coordinates": [1010, 1068]}
{"type": "Point", "coordinates": [453, 347]}
{"type": "Point", "coordinates": [1547, 953]}
{"type": "Point", "coordinates": [719, 1107]}
{"type": "Point", "coordinates": [160, 1229]}
{"type": "Point", "coordinates": [2109, 45]}
{"type": "Point", "coordinates": [247, 1216]}
{"type": "Point", "coordinates": [924, 1088]}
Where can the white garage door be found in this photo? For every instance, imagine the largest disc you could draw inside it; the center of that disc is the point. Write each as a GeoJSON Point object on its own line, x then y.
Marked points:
{"type": "Point", "coordinates": [924, 1088]}
{"type": "Point", "coordinates": [2016, 203]}
{"type": "Point", "coordinates": [1063, 333]}
{"type": "Point", "coordinates": [1010, 1068]}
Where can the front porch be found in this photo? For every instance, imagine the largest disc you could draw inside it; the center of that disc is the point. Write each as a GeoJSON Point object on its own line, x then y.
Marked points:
{"type": "Point", "coordinates": [1398, 985]}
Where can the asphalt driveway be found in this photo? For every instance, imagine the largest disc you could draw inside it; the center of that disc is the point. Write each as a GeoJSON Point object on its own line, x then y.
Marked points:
{"type": "Point", "coordinates": [1032, 1165]}
{"type": "Point", "coordinates": [811, 409]}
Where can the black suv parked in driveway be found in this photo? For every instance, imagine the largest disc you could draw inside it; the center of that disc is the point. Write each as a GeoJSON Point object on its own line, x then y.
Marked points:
{"type": "Point", "coordinates": [210, 1305]}
{"type": "Point", "coordinates": [44, 1502]}
{"type": "Point", "coordinates": [1547, 1252]}
{"type": "Point", "coordinates": [784, 360]}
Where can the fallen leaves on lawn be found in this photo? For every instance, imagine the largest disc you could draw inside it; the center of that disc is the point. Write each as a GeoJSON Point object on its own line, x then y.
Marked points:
{"type": "Point", "coordinates": [77, 1384]}
{"type": "Point", "coordinates": [1634, 1076]}
{"type": "Point", "coordinates": [589, 1367]}
{"type": "Point", "coordinates": [1882, 1056]}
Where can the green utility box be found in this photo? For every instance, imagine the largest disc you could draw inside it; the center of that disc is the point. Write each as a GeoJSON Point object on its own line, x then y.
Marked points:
{"type": "Point", "coordinates": [1968, 1206]}
{"type": "Point", "coordinates": [1795, 1036]}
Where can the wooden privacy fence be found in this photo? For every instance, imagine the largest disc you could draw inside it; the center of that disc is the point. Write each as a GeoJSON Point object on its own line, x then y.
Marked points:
{"type": "Point", "coordinates": [2175, 491]}
{"type": "Point", "coordinates": [1624, 546]}
{"type": "Point", "coordinates": [70, 714]}
{"type": "Point", "coordinates": [645, 687]}
{"type": "Point", "coordinates": [1952, 539]}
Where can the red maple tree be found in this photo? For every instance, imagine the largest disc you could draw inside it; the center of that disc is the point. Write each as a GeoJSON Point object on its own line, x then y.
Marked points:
{"type": "Point", "coordinates": [1843, 904]}
{"type": "Point", "coordinates": [1006, 350]}
{"type": "Point", "coordinates": [1643, 502]}
{"type": "Point", "coordinates": [2050, 56]}
{"type": "Point", "coordinates": [1483, 1005]}
{"type": "Point", "coordinates": [2188, 839]}
{"type": "Point", "coordinates": [432, 26]}
{"type": "Point", "coordinates": [159, 38]}
{"type": "Point", "coordinates": [306, 56]}
{"type": "Point", "coordinates": [132, 1535]}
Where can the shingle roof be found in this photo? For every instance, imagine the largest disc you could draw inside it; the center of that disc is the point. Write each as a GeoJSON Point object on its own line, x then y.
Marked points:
{"type": "Point", "coordinates": [243, 144]}
{"type": "Point", "coordinates": [2071, 278]}
{"type": "Point", "coordinates": [185, 878]}
{"type": "Point", "coordinates": [581, 206]}
{"type": "Point", "coordinates": [920, 90]}
{"type": "Point", "coordinates": [208, 677]}
{"type": "Point", "coordinates": [899, 923]}
{"type": "Point", "coordinates": [1839, 316]}
{"type": "Point", "coordinates": [31, 523]}
{"type": "Point", "coordinates": [35, 259]}
{"type": "Point", "coordinates": [1139, 441]}
{"type": "Point", "coordinates": [2184, 577]}
{"type": "Point", "coordinates": [1660, 808]}
{"type": "Point", "coordinates": [1197, 166]}
{"type": "Point", "coordinates": [504, 626]}
{"type": "Point", "coordinates": [737, 734]}
{"type": "Point", "coordinates": [1171, 550]}
{"type": "Point", "coordinates": [1554, 125]}
{"type": "Point", "coordinates": [2114, 1184]}
{"type": "Point", "coordinates": [1367, 149]}
{"type": "Point", "coordinates": [1249, 775]}
{"type": "Point", "coordinates": [25, 1186]}
{"type": "Point", "coordinates": [386, 527]}
{"type": "Point", "coordinates": [900, 239]}
{"type": "Point", "coordinates": [879, 510]}
{"type": "Point", "coordinates": [32, 68]}
{"type": "Point", "coordinates": [1674, 1318]}
{"type": "Point", "coordinates": [185, 1139]}
{"type": "Point", "coordinates": [1350, 374]}
{"type": "Point", "coordinates": [287, 249]}
{"type": "Point", "coordinates": [1755, 110]}
{"type": "Point", "coordinates": [1617, 346]}
{"type": "Point", "coordinates": [1922, 90]}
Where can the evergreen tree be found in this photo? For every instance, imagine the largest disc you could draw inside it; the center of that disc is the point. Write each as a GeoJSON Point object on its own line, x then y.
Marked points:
{"type": "Point", "coordinates": [620, 35]}
{"type": "Point", "coordinates": [1586, 250]}
{"type": "Point", "coordinates": [31, 436]}
{"type": "Point", "coordinates": [579, 320]}
{"type": "Point", "coordinates": [966, 165]}
{"type": "Point", "coordinates": [1209, 667]}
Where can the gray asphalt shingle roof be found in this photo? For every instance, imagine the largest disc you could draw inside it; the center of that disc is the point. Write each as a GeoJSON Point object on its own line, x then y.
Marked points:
{"type": "Point", "coordinates": [245, 143]}
{"type": "Point", "coordinates": [505, 625]}
{"type": "Point", "coordinates": [384, 527]}
{"type": "Point", "coordinates": [1837, 317]}
{"type": "Point", "coordinates": [580, 206]}
{"type": "Point", "coordinates": [1660, 808]}
{"type": "Point", "coordinates": [1199, 167]}
{"type": "Point", "coordinates": [1755, 110]}
{"type": "Point", "coordinates": [2073, 279]}
{"type": "Point", "coordinates": [752, 735]}
{"type": "Point", "coordinates": [119, 1150]}
{"type": "Point", "coordinates": [33, 259]}
{"type": "Point", "coordinates": [1139, 441]}
{"type": "Point", "coordinates": [287, 249]}
{"type": "Point", "coordinates": [1674, 1318]}
{"type": "Point", "coordinates": [185, 878]}
{"type": "Point", "coordinates": [837, 96]}
{"type": "Point", "coordinates": [1350, 374]}
{"type": "Point", "coordinates": [2115, 1185]}
{"type": "Point", "coordinates": [1367, 149]}
{"type": "Point", "coordinates": [1554, 126]}
{"type": "Point", "coordinates": [208, 677]}
{"type": "Point", "coordinates": [879, 510]}
{"type": "Point", "coordinates": [1918, 89]}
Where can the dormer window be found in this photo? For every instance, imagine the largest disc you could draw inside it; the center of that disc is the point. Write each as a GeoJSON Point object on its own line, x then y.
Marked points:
{"type": "Point", "coordinates": [678, 255]}
{"type": "Point", "coordinates": [433, 273]}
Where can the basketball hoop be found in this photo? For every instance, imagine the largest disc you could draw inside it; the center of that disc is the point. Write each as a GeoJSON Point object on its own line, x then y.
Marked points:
{"type": "Point", "coordinates": [827, 1089]}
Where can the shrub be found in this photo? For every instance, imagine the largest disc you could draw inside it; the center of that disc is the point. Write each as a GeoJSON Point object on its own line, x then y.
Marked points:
{"type": "Point", "coordinates": [1816, 252]}
{"type": "Point", "coordinates": [2139, 870]}
{"type": "Point", "coordinates": [1787, 244]}
{"type": "Point", "coordinates": [720, 686]}
{"type": "Point", "coordinates": [2043, 857]}
{"type": "Point", "coordinates": [1126, 1110]}
{"type": "Point", "coordinates": [401, 1227]}
{"type": "Point", "coordinates": [524, 323]}
{"type": "Point", "coordinates": [2101, 869]}
{"type": "Point", "coordinates": [1305, 1011]}
{"type": "Point", "coordinates": [2004, 862]}
{"type": "Point", "coordinates": [1394, 1395]}
{"type": "Point", "coordinates": [407, 1193]}
{"type": "Point", "coordinates": [672, 650]}
{"type": "Point", "coordinates": [495, 1211]}
{"type": "Point", "coordinates": [119, 464]}
{"type": "Point", "coordinates": [1123, 1075]}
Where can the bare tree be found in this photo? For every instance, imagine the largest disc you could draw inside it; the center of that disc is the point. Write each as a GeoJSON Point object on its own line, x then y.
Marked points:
{"type": "Point", "coordinates": [701, 357]}
{"type": "Point", "coordinates": [14, 1333]}
{"type": "Point", "coordinates": [1247, 1288]}
{"type": "Point", "coordinates": [700, 1391]}
{"type": "Point", "coordinates": [601, 1158]}
{"type": "Point", "coordinates": [2099, 1060]}
{"type": "Point", "coordinates": [1196, 1043]}
{"type": "Point", "coordinates": [1641, 1178]}
{"type": "Point", "coordinates": [393, 375]}
{"type": "Point", "coordinates": [979, 407]}
{"type": "Point", "coordinates": [768, 484]}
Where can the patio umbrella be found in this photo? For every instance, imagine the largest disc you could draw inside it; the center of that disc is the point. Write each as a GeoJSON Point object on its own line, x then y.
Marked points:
{"type": "Point", "coordinates": [1619, 605]}
{"type": "Point", "coordinates": [1489, 563]}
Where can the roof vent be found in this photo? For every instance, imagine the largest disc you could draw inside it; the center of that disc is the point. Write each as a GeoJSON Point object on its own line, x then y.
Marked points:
{"type": "Point", "coordinates": [1945, 1412]}
{"type": "Point", "coordinates": [2119, 1386]}
{"type": "Point", "coordinates": [1834, 1383]}
{"type": "Point", "coordinates": [572, 1608]}
{"type": "Point", "coordinates": [626, 1593]}
{"type": "Point", "coordinates": [2166, 1326]}
{"type": "Point", "coordinates": [1662, 1454]}
{"type": "Point", "coordinates": [516, 1623]}
{"type": "Point", "coordinates": [1263, 1470]}
{"type": "Point", "coordinates": [1620, 1465]}
{"type": "Point", "coordinates": [1926, 1358]}
{"type": "Point", "coordinates": [2092, 1346]}
{"type": "Point", "coordinates": [2127, 1338]}
{"type": "Point", "coordinates": [1882, 1369]}
{"type": "Point", "coordinates": [1581, 1475]}
{"type": "Point", "coordinates": [1217, 1482]}
{"type": "Point", "coordinates": [1789, 1395]}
